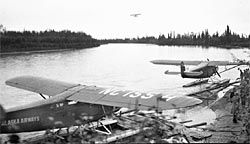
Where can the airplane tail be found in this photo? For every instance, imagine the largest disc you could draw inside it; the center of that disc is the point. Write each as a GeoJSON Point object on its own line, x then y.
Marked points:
{"type": "Point", "coordinates": [2, 113]}
{"type": "Point", "coordinates": [182, 68]}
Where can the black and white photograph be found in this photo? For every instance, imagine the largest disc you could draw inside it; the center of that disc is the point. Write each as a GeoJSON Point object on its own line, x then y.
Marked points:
{"type": "Point", "coordinates": [124, 71]}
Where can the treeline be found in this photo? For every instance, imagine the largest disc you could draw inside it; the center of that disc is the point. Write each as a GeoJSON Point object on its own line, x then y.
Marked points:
{"type": "Point", "coordinates": [228, 39]}
{"type": "Point", "coordinates": [14, 41]}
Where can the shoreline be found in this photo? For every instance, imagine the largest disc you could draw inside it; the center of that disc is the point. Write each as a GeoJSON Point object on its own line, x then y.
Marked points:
{"type": "Point", "coordinates": [68, 49]}
{"type": "Point", "coordinates": [223, 129]}
{"type": "Point", "coordinates": [41, 51]}
{"type": "Point", "coordinates": [35, 51]}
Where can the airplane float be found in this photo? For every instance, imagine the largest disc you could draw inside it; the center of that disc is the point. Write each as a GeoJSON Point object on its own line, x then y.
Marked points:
{"type": "Point", "coordinates": [75, 104]}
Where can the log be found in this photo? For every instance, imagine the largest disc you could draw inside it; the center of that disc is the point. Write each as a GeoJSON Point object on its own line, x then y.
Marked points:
{"type": "Point", "coordinates": [196, 125]}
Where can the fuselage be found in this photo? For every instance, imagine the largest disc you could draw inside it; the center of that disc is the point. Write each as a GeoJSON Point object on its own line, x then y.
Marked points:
{"type": "Point", "coordinates": [52, 115]}
{"type": "Point", "coordinates": [204, 72]}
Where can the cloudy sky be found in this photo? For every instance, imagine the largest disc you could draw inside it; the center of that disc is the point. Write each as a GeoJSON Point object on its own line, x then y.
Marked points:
{"type": "Point", "coordinates": [111, 18]}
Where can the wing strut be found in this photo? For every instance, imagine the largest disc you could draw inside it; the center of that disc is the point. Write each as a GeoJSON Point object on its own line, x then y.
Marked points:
{"type": "Point", "coordinates": [108, 132]}
{"type": "Point", "coordinates": [106, 117]}
{"type": "Point", "coordinates": [42, 96]}
{"type": "Point", "coordinates": [229, 68]}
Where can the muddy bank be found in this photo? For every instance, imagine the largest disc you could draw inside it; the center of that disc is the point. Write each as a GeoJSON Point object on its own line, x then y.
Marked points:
{"type": "Point", "coordinates": [232, 115]}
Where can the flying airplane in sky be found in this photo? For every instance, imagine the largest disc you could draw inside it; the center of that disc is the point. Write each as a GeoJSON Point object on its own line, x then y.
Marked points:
{"type": "Point", "coordinates": [135, 15]}
{"type": "Point", "coordinates": [67, 104]}
{"type": "Point", "coordinates": [203, 69]}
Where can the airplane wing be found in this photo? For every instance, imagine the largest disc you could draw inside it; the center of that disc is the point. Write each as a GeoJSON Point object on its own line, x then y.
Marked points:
{"type": "Point", "coordinates": [224, 63]}
{"type": "Point", "coordinates": [131, 99]}
{"type": "Point", "coordinates": [188, 62]}
{"type": "Point", "coordinates": [102, 96]}
{"type": "Point", "coordinates": [39, 85]}
{"type": "Point", "coordinates": [200, 66]}
{"type": "Point", "coordinates": [175, 62]}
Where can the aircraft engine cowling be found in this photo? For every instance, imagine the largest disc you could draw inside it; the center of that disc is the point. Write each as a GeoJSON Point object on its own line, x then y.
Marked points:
{"type": "Point", "coordinates": [2, 113]}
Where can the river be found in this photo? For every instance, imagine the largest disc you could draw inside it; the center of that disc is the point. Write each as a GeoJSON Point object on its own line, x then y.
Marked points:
{"type": "Point", "coordinates": [125, 66]}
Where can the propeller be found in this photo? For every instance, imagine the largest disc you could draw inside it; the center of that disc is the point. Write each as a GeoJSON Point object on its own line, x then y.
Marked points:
{"type": "Point", "coordinates": [216, 71]}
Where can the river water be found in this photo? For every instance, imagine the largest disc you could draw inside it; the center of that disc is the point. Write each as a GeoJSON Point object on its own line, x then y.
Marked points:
{"type": "Point", "coordinates": [125, 66]}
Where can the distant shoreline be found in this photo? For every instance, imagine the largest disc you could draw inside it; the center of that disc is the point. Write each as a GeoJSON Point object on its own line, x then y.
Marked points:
{"type": "Point", "coordinates": [218, 46]}
{"type": "Point", "coordinates": [206, 46]}
{"type": "Point", "coordinates": [69, 49]}
{"type": "Point", "coordinates": [35, 51]}
{"type": "Point", "coordinates": [222, 46]}
{"type": "Point", "coordinates": [42, 51]}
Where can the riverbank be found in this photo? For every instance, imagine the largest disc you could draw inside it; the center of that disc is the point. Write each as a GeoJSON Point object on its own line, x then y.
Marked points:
{"type": "Point", "coordinates": [232, 114]}
{"type": "Point", "coordinates": [38, 51]}
{"type": "Point", "coordinates": [68, 49]}
{"type": "Point", "coordinates": [224, 130]}
{"type": "Point", "coordinates": [226, 46]}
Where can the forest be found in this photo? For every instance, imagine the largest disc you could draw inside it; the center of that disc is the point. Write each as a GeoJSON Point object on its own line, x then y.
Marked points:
{"type": "Point", "coordinates": [14, 41]}
{"type": "Point", "coordinates": [228, 39]}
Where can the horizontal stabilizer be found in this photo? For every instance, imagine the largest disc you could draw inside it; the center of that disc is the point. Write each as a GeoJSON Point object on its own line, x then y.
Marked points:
{"type": "Point", "coordinates": [39, 85]}
{"type": "Point", "coordinates": [172, 73]}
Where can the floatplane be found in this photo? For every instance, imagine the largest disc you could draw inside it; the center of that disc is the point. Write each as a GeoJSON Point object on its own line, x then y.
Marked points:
{"type": "Point", "coordinates": [202, 69]}
{"type": "Point", "coordinates": [66, 104]}
{"type": "Point", "coordinates": [135, 14]}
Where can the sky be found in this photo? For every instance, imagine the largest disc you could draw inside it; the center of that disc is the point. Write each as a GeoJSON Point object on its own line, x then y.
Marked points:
{"type": "Point", "coordinates": [111, 18]}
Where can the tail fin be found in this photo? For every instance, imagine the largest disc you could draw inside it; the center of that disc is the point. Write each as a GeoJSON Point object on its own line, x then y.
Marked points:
{"type": "Point", "coordinates": [182, 68]}
{"type": "Point", "coordinates": [2, 117]}
{"type": "Point", "coordinates": [2, 113]}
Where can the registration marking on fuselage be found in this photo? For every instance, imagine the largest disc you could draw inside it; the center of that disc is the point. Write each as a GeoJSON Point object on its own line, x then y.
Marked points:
{"type": "Point", "coordinates": [20, 120]}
